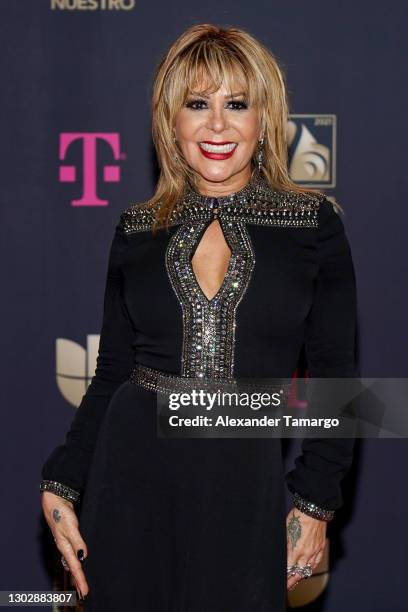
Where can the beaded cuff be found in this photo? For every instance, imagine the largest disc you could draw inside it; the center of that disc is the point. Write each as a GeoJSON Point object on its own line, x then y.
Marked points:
{"type": "Point", "coordinates": [59, 489]}
{"type": "Point", "coordinates": [312, 509]}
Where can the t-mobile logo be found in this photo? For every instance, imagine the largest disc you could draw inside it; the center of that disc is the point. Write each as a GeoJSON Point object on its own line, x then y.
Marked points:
{"type": "Point", "coordinates": [68, 173]}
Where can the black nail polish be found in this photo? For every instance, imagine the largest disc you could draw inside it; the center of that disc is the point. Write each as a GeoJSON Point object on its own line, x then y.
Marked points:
{"type": "Point", "coordinates": [80, 554]}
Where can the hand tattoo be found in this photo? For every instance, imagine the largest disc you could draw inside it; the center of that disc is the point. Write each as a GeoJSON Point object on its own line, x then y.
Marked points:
{"type": "Point", "coordinates": [294, 529]}
{"type": "Point", "coordinates": [56, 515]}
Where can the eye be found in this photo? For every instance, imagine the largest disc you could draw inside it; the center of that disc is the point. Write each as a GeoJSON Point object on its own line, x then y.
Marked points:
{"type": "Point", "coordinates": [240, 105]}
{"type": "Point", "coordinates": [193, 104]}
{"type": "Point", "coordinates": [197, 104]}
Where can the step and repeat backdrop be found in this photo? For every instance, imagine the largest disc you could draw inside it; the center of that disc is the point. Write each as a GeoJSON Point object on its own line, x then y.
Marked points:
{"type": "Point", "coordinates": [76, 150]}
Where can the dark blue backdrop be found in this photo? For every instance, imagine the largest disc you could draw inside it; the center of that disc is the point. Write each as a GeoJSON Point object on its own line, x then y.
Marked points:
{"type": "Point", "coordinates": [79, 70]}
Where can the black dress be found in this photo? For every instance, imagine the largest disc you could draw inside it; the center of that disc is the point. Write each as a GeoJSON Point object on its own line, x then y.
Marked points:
{"type": "Point", "coordinates": [198, 525]}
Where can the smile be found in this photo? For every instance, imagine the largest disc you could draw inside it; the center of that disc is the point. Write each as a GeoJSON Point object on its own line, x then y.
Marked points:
{"type": "Point", "coordinates": [217, 150]}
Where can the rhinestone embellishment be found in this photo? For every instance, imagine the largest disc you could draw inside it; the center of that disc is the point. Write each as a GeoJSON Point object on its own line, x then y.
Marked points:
{"type": "Point", "coordinates": [59, 489]}
{"type": "Point", "coordinates": [312, 509]}
{"type": "Point", "coordinates": [160, 381]}
{"type": "Point", "coordinates": [257, 203]}
{"type": "Point", "coordinates": [209, 324]}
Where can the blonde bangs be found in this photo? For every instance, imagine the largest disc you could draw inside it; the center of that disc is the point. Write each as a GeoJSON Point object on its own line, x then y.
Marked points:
{"type": "Point", "coordinates": [207, 67]}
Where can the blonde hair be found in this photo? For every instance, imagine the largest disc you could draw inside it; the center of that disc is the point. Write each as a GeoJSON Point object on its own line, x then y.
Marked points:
{"type": "Point", "coordinates": [220, 55]}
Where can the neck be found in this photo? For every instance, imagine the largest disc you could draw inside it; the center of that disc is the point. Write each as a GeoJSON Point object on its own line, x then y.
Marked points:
{"type": "Point", "coordinates": [231, 185]}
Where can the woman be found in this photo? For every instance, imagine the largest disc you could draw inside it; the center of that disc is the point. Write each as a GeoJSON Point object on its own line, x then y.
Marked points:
{"type": "Point", "coordinates": [223, 274]}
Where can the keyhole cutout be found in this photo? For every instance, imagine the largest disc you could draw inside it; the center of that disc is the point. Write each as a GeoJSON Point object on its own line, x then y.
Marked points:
{"type": "Point", "coordinates": [211, 260]}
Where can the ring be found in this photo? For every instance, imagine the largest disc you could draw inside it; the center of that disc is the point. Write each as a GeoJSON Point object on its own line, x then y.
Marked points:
{"type": "Point", "coordinates": [304, 570]}
{"type": "Point", "coordinates": [64, 563]}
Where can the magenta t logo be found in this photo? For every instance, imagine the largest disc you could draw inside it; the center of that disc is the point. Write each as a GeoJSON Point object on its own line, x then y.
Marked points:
{"type": "Point", "coordinates": [111, 174]}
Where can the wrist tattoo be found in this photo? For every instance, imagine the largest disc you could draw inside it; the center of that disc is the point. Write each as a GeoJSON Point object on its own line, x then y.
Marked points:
{"type": "Point", "coordinates": [294, 529]}
{"type": "Point", "coordinates": [56, 515]}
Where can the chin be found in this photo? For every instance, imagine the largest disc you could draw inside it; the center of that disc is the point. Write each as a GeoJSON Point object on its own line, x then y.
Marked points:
{"type": "Point", "coordinates": [216, 174]}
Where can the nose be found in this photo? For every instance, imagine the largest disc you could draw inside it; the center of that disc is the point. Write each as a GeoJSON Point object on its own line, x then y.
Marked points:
{"type": "Point", "coordinates": [217, 119]}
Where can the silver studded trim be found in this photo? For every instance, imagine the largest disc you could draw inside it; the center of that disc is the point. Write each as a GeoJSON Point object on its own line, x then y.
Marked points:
{"type": "Point", "coordinates": [209, 325]}
{"type": "Point", "coordinates": [257, 203]}
{"type": "Point", "coordinates": [312, 509]}
{"type": "Point", "coordinates": [137, 218]}
{"type": "Point", "coordinates": [59, 489]}
{"type": "Point", "coordinates": [156, 380]}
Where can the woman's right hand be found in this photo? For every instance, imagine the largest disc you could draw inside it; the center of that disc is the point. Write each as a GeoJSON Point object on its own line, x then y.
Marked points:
{"type": "Point", "coordinates": [63, 522]}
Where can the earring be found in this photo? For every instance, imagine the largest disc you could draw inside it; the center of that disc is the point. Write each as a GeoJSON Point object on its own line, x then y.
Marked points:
{"type": "Point", "coordinates": [175, 156]}
{"type": "Point", "coordinates": [260, 154]}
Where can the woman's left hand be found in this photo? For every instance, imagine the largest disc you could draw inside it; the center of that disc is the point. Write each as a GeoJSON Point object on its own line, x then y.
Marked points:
{"type": "Point", "coordinates": [306, 541]}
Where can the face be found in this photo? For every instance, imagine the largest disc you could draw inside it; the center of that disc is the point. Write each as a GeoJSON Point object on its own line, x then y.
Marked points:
{"type": "Point", "coordinates": [217, 135]}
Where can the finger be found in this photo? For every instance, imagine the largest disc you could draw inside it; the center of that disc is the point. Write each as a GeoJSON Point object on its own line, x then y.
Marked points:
{"type": "Point", "coordinates": [292, 587]}
{"type": "Point", "coordinates": [291, 584]}
{"type": "Point", "coordinates": [70, 528]}
{"type": "Point", "coordinates": [293, 581]}
{"type": "Point", "coordinates": [78, 590]}
{"type": "Point", "coordinates": [65, 564]}
{"type": "Point", "coordinates": [80, 596]}
{"type": "Point", "coordinates": [313, 562]}
{"type": "Point", "coordinates": [301, 560]}
{"type": "Point", "coordinates": [78, 544]}
{"type": "Point", "coordinates": [317, 559]}
{"type": "Point", "coordinates": [74, 566]}
{"type": "Point", "coordinates": [74, 537]}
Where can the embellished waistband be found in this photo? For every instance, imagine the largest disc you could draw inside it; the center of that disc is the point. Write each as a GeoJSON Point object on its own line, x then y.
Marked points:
{"type": "Point", "coordinates": [157, 380]}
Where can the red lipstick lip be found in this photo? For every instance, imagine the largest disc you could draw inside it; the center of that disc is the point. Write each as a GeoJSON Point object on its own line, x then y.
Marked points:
{"type": "Point", "coordinates": [217, 156]}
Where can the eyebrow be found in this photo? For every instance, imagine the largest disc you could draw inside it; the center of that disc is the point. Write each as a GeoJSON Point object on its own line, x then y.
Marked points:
{"type": "Point", "coordinates": [234, 95]}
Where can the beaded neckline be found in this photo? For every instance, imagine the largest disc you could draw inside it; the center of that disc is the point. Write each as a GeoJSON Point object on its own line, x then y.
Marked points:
{"type": "Point", "coordinates": [256, 203]}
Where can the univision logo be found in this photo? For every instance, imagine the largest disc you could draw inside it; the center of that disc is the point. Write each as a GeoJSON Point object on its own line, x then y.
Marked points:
{"type": "Point", "coordinates": [312, 150]}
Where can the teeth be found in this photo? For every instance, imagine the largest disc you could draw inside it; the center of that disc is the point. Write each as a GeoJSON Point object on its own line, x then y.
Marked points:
{"type": "Point", "coordinates": [227, 148]}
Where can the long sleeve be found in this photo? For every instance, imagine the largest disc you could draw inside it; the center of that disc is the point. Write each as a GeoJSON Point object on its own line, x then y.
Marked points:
{"type": "Point", "coordinates": [65, 470]}
{"type": "Point", "coordinates": [330, 334]}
